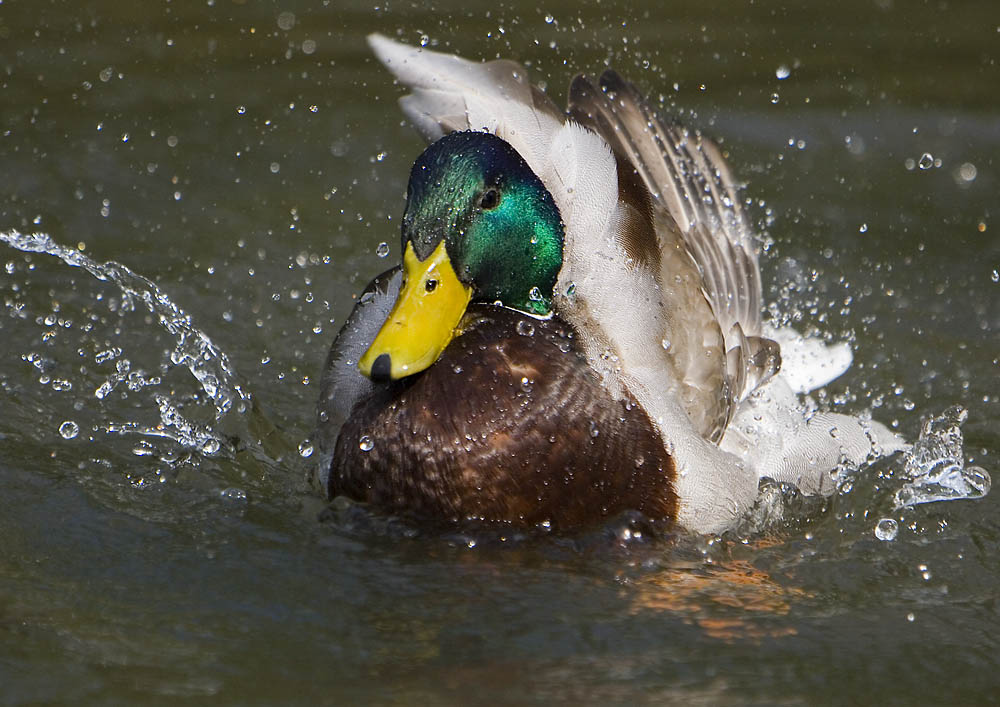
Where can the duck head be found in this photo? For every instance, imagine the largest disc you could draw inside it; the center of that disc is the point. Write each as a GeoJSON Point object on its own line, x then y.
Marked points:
{"type": "Point", "coordinates": [479, 226]}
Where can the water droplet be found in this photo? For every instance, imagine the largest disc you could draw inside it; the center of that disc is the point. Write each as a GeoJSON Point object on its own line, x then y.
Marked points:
{"type": "Point", "coordinates": [241, 110]}
{"type": "Point", "coordinates": [305, 449]}
{"type": "Point", "coordinates": [365, 443]}
{"type": "Point", "coordinates": [886, 529]}
{"type": "Point", "coordinates": [965, 173]}
{"type": "Point", "coordinates": [910, 617]}
{"type": "Point", "coordinates": [233, 494]}
{"type": "Point", "coordinates": [571, 290]}
{"type": "Point", "coordinates": [783, 72]}
{"type": "Point", "coordinates": [926, 161]}
{"type": "Point", "coordinates": [526, 384]}
{"type": "Point", "coordinates": [549, 19]}
{"type": "Point", "coordinates": [665, 343]}
{"type": "Point", "coordinates": [863, 228]}
{"type": "Point", "coordinates": [775, 98]}
{"type": "Point", "coordinates": [382, 250]}
{"type": "Point", "coordinates": [995, 276]}
{"type": "Point", "coordinates": [69, 429]}
{"type": "Point", "coordinates": [525, 328]}
{"type": "Point", "coordinates": [594, 431]}
{"type": "Point", "coordinates": [143, 449]}
{"type": "Point", "coordinates": [535, 294]}
{"type": "Point", "coordinates": [210, 446]}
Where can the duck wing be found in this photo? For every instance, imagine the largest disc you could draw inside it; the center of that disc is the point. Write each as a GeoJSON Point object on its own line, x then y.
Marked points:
{"type": "Point", "coordinates": [448, 93]}
{"type": "Point", "coordinates": [693, 197]}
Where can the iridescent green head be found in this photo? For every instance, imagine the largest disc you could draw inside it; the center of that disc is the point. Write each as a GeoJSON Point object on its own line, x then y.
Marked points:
{"type": "Point", "coordinates": [479, 226]}
{"type": "Point", "coordinates": [500, 226]}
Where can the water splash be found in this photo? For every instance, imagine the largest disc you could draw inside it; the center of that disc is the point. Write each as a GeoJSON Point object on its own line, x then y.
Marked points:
{"type": "Point", "coordinates": [192, 350]}
{"type": "Point", "coordinates": [935, 465]}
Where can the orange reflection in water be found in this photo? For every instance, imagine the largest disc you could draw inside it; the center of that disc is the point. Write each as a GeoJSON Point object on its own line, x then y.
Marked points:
{"type": "Point", "coordinates": [730, 602]}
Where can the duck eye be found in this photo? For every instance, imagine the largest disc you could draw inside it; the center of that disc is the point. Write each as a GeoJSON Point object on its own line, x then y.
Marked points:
{"type": "Point", "coordinates": [490, 200]}
{"type": "Point", "coordinates": [431, 285]}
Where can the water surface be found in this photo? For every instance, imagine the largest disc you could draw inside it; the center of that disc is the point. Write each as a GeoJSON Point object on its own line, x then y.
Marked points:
{"type": "Point", "coordinates": [243, 162]}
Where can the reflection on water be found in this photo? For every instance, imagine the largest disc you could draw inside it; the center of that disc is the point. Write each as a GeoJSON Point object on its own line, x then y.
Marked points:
{"type": "Point", "coordinates": [159, 534]}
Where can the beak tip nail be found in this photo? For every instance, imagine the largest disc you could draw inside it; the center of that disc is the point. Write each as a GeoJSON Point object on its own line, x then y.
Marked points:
{"type": "Point", "coordinates": [382, 368]}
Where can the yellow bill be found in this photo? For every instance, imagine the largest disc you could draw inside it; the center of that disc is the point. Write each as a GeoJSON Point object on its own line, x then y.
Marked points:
{"type": "Point", "coordinates": [423, 320]}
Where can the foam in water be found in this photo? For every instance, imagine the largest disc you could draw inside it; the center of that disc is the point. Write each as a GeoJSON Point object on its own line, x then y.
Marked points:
{"type": "Point", "coordinates": [935, 465]}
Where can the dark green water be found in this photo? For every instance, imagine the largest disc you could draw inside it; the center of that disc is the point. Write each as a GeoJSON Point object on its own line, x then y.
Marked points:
{"type": "Point", "coordinates": [249, 157]}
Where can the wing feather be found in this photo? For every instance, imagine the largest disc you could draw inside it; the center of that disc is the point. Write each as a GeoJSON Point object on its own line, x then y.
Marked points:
{"type": "Point", "coordinates": [688, 179]}
{"type": "Point", "coordinates": [448, 93]}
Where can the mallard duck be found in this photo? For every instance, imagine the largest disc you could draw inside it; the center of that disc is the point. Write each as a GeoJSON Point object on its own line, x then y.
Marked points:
{"type": "Point", "coordinates": [575, 329]}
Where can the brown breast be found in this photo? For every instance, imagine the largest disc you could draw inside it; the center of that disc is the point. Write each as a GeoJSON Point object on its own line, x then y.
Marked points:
{"type": "Point", "coordinates": [510, 425]}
